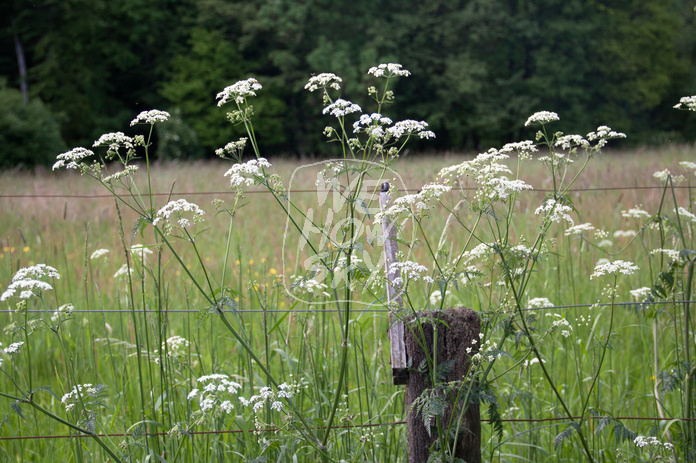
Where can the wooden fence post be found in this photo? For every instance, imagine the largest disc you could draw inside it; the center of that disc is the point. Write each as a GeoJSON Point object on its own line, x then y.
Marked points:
{"type": "Point", "coordinates": [396, 327]}
{"type": "Point", "coordinates": [458, 330]}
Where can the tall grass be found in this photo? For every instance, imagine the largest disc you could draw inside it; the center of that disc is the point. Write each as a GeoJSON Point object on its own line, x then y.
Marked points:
{"type": "Point", "coordinates": [223, 292]}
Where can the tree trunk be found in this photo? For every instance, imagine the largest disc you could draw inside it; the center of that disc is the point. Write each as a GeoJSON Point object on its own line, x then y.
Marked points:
{"type": "Point", "coordinates": [21, 63]}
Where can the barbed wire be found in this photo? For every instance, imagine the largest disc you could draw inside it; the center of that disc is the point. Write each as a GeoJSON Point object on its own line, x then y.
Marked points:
{"type": "Point", "coordinates": [316, 190]}
{"type": "Point", "coordinates": [367, 309]}
{"type": "Point", "coordinates": [350, 426]}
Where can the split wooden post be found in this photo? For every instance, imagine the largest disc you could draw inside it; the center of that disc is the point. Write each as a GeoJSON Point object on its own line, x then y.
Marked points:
{"type": "Point", "coordinates": [396, 327]}
{"type": "Point", "coordinates": [458, 339]}
{"type": "Point", "coordinates": [458, 330]}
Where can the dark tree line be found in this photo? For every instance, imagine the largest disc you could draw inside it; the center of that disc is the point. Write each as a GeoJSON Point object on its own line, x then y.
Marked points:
{"type": "Point", "coordinates": [71, 70]}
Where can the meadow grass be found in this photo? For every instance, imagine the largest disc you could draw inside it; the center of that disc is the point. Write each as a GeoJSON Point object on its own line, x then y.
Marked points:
{"type": "Point", "coordinates": [121, 345]}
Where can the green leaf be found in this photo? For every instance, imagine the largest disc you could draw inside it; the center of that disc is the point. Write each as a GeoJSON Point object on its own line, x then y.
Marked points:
{"type": "Point", "coordinates": [572, 427]}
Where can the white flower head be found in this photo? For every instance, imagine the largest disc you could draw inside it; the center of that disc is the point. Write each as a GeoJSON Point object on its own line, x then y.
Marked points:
{"type": "Point", "coordinates": [614, 268]}
{"type": "Point", "coordinates": [123, 271]}
{"type": "Point", "coordinates": [72, 159]}
{"type": "Point", "coordinates": [233, 148]}
{"type": "Point", "coordinates": [150, 117]}
{"type": "Point", "coordinates": [372, 124]}
{"type": "Point", "coordinates": [28, 281]}
{"type": "Point", "coordinates": [688, 165]}
{"type": "Point", "coordinates": [324, 80]}
{"type": "Point", "coordinates": [641, 294]}
{"type": "Point", "coordinates": [555, 211]}
{"type": "Point", "coordinates": [604, 133]}
{"type": "Point", "coordinates": [409, 127]}
{"type": "Point", "coordinates": [635, 213]}
{"type": "Point", "coordinates": [63, 313]}
{"type": "Point", "coordinates": [140, 251]}
{"type": "Point", "coordinates": [115, 141]}
{"type": "Point", "coordinates": [239, 91]}
{"type": "Point", "coordinates": [388, 70]}
{"type": "Point", "coordinates": [81, 394]}
{"type": "Point", "coordinates": [246, 173]}
{"type": "Point", "coordinates": [179, 209]}
{"type": "Point", "coordinates": [686, 102]}
{"type": "Point", "coordinates": [579, 229]}
{"type": "Point", "coordinates": [539, 303]}
{"type": "Point", "coordinates": [542, 117]}
{"type": "Point", "coordinates": [98, 254]}
{"type": "Point", "coordinates": [341, 108]}
{"type": "Point", "coordinates": [14, 348]}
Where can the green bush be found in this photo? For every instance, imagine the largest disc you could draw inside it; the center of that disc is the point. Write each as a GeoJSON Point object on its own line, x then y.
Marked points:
{"type": "Point", "coordinates": [29, 133]}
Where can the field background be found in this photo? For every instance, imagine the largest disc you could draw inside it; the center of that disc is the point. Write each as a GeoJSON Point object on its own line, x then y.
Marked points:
{"type": "Point", "coordinates": [54, 218]}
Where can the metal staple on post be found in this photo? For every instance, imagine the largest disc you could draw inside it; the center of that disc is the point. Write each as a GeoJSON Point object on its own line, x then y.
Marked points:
{"type": "Point", "coordinates": [396, 327]}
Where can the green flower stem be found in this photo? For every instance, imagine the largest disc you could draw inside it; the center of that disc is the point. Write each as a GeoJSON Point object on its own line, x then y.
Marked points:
{"type": "Point", "coordinates": [604, 352]}
{"type": "Point", "coordinates": [57, 418]}
{"type": "Point", "coordinates": [314, 441]}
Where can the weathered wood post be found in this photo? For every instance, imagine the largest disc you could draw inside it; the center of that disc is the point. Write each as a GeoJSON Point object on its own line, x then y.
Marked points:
{"type": "Point", "coordinates": [458, 330]}
{"type": "Point", "coordinates": [396, 327]}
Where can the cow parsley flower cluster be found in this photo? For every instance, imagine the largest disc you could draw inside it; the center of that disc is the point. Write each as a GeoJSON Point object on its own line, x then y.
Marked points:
{"type": "Point", "coordinates": [213, 392]}
{"type": "Point", "coordinates": [27, 281]}
{"type": "Point", "coordinates": [635, 213]}
{"type": "Point", "coordinates": [604, 133]}
{"type": "Point", "coordinates": [140, 251]}
{"type": "Point", "coordinates": [567, 142]}
{"type": "Point", "coordinates": [646, 441]}
{"type": "Point", "coordinates": [99, 253]}
{"type": "Point", "coordinates": [686, 102]}
{"type": "Point", "coordinates": [341, 108]}
{"type": "Point", "coordinates": [539, 303]}
{"type": "Point", "coordinates": [324, 80]}
{"type": "Point", "coordinates": [13, 348]}
{"type": "Point", "coordinates": [490, 174]}
{"type": "Point", "coordinates": [233, 149]}
{"type": "Point", "coordinates": [388, 70]}
{"type": "Point", "coordinates": [641, 294]}
{"type": "Point", "coordinates": [178, 209]}
{"type": "Point", "coordinates": [72, 159]}
{"type": "Point", "coordinates": [117, 140]}
{"type": "Point", "coordinates": [308, 286]}
{"type": "Point", "coordinates": [63, 313]}
{"type": "Point", "coordinates": [175, 348]}
{"type": "Point", "coordinates": [614, 268]}
{"type": "Point", "coordinates": [87, 394]}
{"type": "Point", "coordinates": [479, 253]}
{"type": "Point", "coordinates": [267, 396]}
{"type": "Point", "coordinates": [150, 117]}
{"type": "Point", "coordinates": [542, 117]}
{"type": "Point", "coordinates": [555, 211]}
{"type": "Point", "coordinates": [561, 322]}
{"type": "Point", "coordinates": [579, 229]}
{"type": "Point", "coordinates": [245, 174]}
{"type": "Point", "coordinates": [408, 270]}
{"type": "Point", "coordinates": [420, 201]}
{"type": "Point", "coordinates": [239, 91]}
{"type": "Point", "coordinates": [410, 127]}
{"type": "Point", "coordinates": [683, 212]}
{"type": "Point", "coordinates": [672, 254]}
{"type": "Point", "coordinates": [372, 124]}
{"type": "Point", "coordinates": [436, 297]}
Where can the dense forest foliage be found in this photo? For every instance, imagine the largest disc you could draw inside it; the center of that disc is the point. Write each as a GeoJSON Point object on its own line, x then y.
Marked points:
{"type": "Point", "coordinates": [71, 70]}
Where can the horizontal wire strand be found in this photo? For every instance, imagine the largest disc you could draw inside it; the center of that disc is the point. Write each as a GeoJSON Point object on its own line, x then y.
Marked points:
{"type": "Point", "coordinates": [368, 425]}
{"type": "Point", "coordinates": [572, 306]}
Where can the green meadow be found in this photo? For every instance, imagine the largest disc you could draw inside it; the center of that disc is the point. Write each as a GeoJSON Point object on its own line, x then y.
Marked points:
{"type": "Point", "coordinates": [117, 337]}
